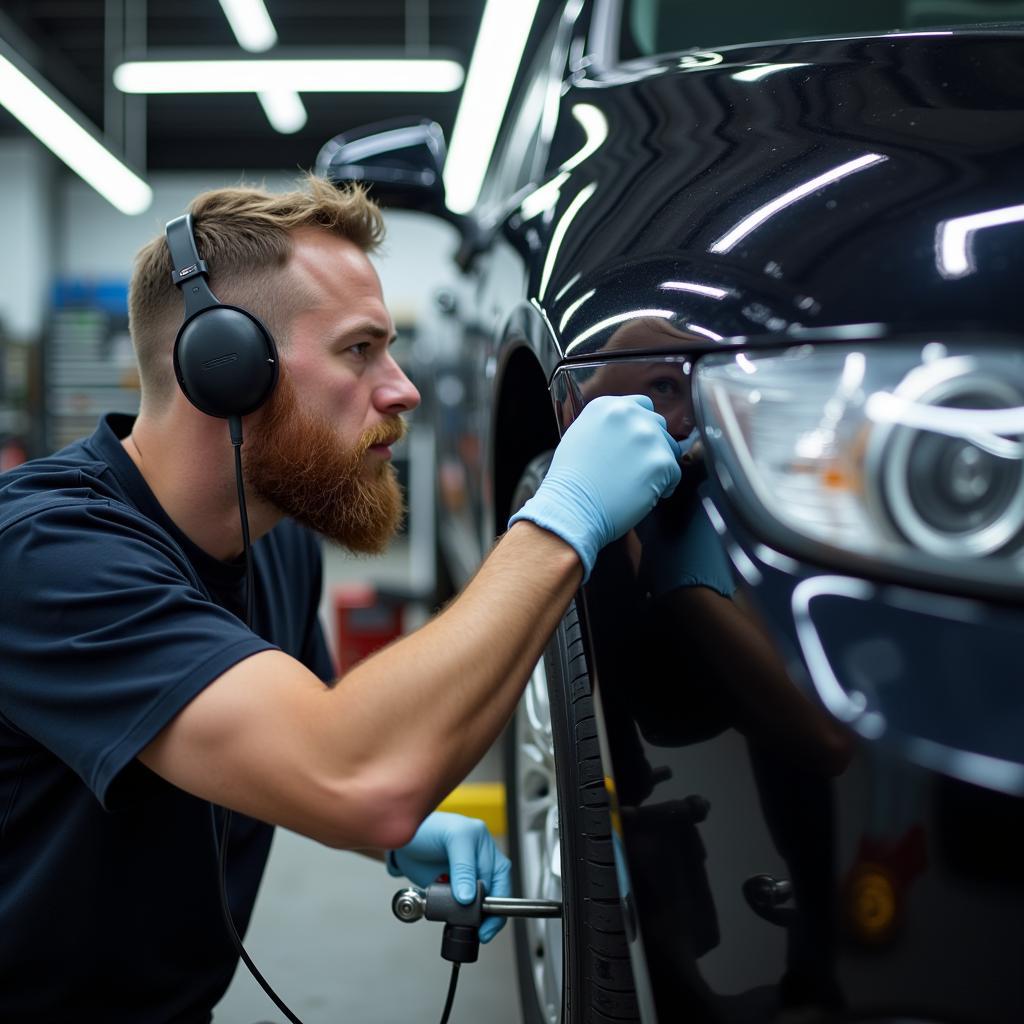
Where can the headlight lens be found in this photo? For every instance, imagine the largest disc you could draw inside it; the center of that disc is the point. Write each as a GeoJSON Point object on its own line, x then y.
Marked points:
{"type": "Point", "coordinates": [910, 453]}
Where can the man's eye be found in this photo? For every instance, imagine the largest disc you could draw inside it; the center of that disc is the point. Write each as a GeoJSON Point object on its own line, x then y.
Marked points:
{"type": "Point", "coordinates": [665, 386]}
{"type": "Point", "coordinates": [359, 349]}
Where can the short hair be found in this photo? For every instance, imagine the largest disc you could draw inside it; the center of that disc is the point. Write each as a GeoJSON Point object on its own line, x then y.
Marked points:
{"type": "Point", "coordinates": [245, 234]}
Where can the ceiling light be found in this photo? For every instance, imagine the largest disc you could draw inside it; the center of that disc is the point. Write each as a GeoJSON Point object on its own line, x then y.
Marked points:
{"type": "Point", "coordinates": [763, 213]}
{"type": "Point", "coordinates": [500, 43]}
{"type": "Point", "coordinates": [246, 75]}
{"type": "Point", "coordinates": [64, 134]}
{"type": "Point", "coordinates": [284, 111]}
{"type": "Point", "coordinates": [755, 74]}
{"type": "Point", "coordinates": [251, 24]}
{"type": "Point", "coordinates": [954, 238]}
{"type": "Point", "coordinates": [255, 32]}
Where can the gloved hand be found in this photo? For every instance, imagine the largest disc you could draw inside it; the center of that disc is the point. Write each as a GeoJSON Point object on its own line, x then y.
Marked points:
{"type": "Point", "coordinates": [609, 470]}
{"type": "Point", "coordinates": [462, 849]}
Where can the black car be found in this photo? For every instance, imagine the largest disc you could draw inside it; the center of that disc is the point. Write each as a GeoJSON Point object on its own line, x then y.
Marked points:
{"type": "Point", "coordinates": [773, 758]}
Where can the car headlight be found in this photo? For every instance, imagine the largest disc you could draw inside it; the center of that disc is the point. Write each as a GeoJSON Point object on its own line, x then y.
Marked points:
{"type": "Point", "coordinates": [909, 454]}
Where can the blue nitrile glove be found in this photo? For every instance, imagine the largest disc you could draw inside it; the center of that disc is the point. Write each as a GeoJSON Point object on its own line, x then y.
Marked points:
{"type": "Point", "coordinates": [462, 849]}
{"type": "Point", "coordinates": [609, 470]}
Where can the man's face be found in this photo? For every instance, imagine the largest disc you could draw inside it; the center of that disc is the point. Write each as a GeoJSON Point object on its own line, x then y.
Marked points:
{"type": "Point", "coordinates": [320, 450]}
{"type": "Point", "coordinates": [665, 383]}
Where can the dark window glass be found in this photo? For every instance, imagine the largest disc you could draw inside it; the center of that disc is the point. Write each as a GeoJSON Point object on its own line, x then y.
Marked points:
{"type": "Point", "coordinates": [661, 26]}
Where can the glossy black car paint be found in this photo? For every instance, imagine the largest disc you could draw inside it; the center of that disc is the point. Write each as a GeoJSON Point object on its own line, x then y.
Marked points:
{"type": "Point", "coordinates": [901, 846]}
{"type": "Point", "coordinates": [693, 151]}
{"type": "Point", "coordinates": [906, 889]}
{"type": "Point", "coordinates": [785, 857]}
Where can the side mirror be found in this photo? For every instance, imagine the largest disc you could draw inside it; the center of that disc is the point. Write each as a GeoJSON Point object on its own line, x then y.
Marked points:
{"type": "Point", "coordinates": [399, 161]}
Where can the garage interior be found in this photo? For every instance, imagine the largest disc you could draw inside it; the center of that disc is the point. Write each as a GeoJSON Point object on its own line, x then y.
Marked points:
{"type": "Point", "coordinates": [323, 931]}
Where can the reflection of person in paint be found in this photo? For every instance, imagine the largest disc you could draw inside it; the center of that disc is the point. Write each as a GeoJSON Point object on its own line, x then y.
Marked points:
{"type": "Point", "coordinates": [729, 675]}
{"type": "Point", "coordinates": [665, 382]}
{"type": "Point", "coordinates": [678, 555]}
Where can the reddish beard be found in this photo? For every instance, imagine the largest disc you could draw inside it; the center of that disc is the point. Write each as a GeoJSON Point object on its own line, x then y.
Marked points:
{"type": "Point", "coordinates": [296, 462]}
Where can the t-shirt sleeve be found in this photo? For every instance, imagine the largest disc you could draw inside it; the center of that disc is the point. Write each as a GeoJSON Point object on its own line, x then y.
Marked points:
{"type": "Point", "coordinates": [107, 635]}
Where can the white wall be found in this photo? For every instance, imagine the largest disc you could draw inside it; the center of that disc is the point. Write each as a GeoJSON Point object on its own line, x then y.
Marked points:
{"type": "Point", "coordinates": [97, 242]}
{"type": "Point", "coordinates": [27, 185]}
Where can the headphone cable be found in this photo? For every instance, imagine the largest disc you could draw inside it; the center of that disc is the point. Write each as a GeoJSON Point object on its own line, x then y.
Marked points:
{"type": "Point", "coordinates": [235, 425]}
{"type": "Point", "coordinates": [221, 841]}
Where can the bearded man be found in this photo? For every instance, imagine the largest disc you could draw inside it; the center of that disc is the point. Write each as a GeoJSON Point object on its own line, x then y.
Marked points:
{"type": "Point", "coordinates": [133, 696]}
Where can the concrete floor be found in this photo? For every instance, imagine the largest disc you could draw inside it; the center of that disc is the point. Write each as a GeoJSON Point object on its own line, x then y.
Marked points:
{"type": "Point", "coordinates": [324, 936]}
{"type": "Point", "coordinates": [323, 933]}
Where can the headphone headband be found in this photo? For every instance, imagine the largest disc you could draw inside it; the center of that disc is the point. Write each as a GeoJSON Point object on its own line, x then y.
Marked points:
{"type": "Point", "coordinates": [186, 266]}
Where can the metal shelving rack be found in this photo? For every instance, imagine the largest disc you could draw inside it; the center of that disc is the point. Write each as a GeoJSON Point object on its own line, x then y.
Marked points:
{"type": "Point", "coordinates": [89, 369]}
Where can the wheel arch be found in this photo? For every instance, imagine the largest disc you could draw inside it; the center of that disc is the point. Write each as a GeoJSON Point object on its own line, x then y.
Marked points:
{"type": "Point", "coordinates": [524, 424]}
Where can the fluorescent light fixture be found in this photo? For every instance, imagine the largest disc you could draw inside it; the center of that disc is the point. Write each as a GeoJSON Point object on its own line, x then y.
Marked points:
{"type": "Point", "coordinates": [697, 289]}
{"type": "Point", "coordinates": [251, 24]}
{"type": "Point", "coordinates": [760, 215]}
{"type": "Point", "coordinates": [595, 126]}
{"type": "Point", "coordinates": [246, 75]}
{"type": "Point", "coordinates": [755, 74]}
{"type": "Point", "coordinates": [558, 235]}
{"type": "Point", "coordinates": [543, 198]}
{"type": "Point", "coordinates": [612, 321]}
{"type": "Point", "coordinates": [500, 43]}
{"type": "Point", "coordinates": [64, 134]}
{"type": "Point", "coordinates": [568, 315]}
{"type": "Point", "coordinates": [255, 32]}
{"type": "Point", "coordinates": [697, 329]}
{"type": "Point", "coordinates": [953, 238]}
{"type": "Point", "coordinates": [284, 110]}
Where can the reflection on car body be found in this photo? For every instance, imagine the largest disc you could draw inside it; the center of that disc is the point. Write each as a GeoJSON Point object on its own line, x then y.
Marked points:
{"type": "Point", "coordinates": [773, 760]}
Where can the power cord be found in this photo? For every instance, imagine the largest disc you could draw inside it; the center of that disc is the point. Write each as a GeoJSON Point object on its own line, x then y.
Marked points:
{"type": "Point", "coordinates": [451, 992]}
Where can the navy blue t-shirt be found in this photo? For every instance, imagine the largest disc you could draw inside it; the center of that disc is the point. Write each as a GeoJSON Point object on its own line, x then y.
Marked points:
{"type": "Point", "coordinates": [111, 621]}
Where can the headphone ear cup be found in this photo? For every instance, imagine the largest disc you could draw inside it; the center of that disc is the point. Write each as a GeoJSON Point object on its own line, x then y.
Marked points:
{"type": "Point", "coordinates": [225, 361]}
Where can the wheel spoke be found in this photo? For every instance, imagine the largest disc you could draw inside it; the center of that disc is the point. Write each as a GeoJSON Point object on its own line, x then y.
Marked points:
{"type": "Point", "coordinates": [539, 842]}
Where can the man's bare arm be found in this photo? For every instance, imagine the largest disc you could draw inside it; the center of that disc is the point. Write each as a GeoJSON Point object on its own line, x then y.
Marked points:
{"type": "Point", "coordinates": [362, 763]}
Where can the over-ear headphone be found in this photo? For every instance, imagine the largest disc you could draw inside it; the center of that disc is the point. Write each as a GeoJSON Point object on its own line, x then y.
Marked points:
{"type": "Point", "coordinates": [225, 359]}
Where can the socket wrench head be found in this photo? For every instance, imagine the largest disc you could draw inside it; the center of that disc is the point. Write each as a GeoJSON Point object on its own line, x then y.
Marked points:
{"type": "Point", "coordinates": [409, 904]}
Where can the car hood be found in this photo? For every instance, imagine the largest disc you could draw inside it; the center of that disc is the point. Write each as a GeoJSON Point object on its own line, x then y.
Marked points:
{"type": "Point", "coordinates": [762, 191]}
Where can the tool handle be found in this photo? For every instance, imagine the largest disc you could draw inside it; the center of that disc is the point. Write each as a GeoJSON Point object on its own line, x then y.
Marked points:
{"type": "Point", "coordinates": [508, 906]}
{"type": "Point", "coordinates": [437, 903]}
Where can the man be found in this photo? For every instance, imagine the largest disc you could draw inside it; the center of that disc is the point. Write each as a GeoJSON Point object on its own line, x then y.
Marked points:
{"type": "Point", "coordinates": [133, 697]}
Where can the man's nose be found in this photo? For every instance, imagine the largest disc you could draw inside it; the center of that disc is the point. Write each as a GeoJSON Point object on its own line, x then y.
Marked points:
{"type": "Point", "coordinates": [396, 393]}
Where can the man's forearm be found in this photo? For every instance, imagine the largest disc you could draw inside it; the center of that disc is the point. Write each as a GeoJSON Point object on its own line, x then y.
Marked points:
{"type": "Point", "coordinates": [362, 763]}
{"type": "Point", "coordinates": [432, 703]}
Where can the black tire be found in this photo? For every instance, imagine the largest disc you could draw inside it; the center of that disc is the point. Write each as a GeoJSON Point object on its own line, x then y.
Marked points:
{"type": "Point", "coordinates": [597, 980]}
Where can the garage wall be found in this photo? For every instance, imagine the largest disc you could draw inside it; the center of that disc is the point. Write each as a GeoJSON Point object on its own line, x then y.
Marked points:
{"type": "Point", "coordinates": [27, 181]}
{"type": "Point", "coordinates": [55, 226]}
{"type": "Point", "coordinates": [96, 242]}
